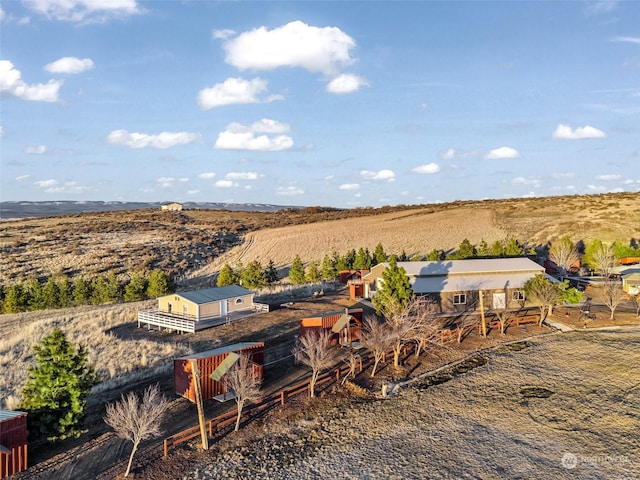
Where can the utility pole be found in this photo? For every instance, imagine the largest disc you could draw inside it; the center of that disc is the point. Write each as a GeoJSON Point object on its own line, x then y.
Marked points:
{"type": "Point", "coordinates": [484, 321]}
{"type": "Point", "coordinates": [198, 392]}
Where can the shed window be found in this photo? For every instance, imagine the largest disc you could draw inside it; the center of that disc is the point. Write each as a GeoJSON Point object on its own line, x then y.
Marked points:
{"type": "Point", "coordinates": [518, 295]}
{"type": "Point", "coordinates": [460, 299]}
{"type": "Point", "coordinates": [239, 301]}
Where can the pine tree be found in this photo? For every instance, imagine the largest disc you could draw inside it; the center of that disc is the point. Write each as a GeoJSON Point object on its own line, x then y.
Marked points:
{"type": "Point", "coordinates": [378, 255]}
{"type": "Point", "coordinates": [15, 299]}
{"type": "Point", "coordinates": [296, 273]}
{"type": "Point", "coordinates": [65, 292]}
{"type": "Point", "coordinates": [312, 275]}
{"type": "Point", "coordinates": [513, 248]}
{"type": "Point", "coordinates": [35, 298]}
{"type": "Point", "coordinates": [57, 386]}
{"type": "Point", "coordinates": [136, 289]}
{"type": "Point", "coordinates": [226, 276]}
{"type": "Point", "coordinates": [253, 276]}
{"type": "Point", "coordinates": [328, 269]}
{"type": "Point", "coordinates": [50, 294]}
{"type": "Point", "coordinates": [395, 292]}
{"type": "Point", "coordinates": [465, 250]}
{"type": "Point", "coordinates": [363, 259]}
{"type": "Point", "coordinates": [434, 256]}
{"type": "Point", "coordinates": [497, 249]}
{"type": "Point", "coordinates": [81, 292]}
{"type": "Point", "coordinates": [159, 284]}
{"type": "Point", "coordinates": [483, 249]}
{"type": "Point", "coordinates": [271, 274]}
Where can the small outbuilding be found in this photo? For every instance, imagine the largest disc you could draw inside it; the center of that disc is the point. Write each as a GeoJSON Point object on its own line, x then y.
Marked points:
{"type": "Point", "coordinates": [206, 363]}
{"type": "Point", "coordinates": [198, 309]}
{"type": "Point", "coordinates": [344, 326]}
{"type": "Point", "coordinates": [171, 207]}
{"type": "Point", "coordinates": [631, 282]}
{"type": "Point", "coordinates": [13, 443]}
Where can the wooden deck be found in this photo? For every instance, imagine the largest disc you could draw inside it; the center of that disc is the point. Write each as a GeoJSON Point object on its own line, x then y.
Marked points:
{"type": "Point", "coordinates": [189, 323]}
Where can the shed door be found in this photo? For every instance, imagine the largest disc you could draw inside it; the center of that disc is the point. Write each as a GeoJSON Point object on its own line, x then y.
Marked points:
{"type": "Point", "coordinates": [499, 300]}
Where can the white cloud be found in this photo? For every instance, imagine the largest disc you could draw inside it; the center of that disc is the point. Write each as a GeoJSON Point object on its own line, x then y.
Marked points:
{"type": "Point", "coordinates": [559, 175]}
{"type": "Point", "coordinates": [349, 186]}
{"type": "Point", "coordinates": [346, 83]}
{"type": "Point", "coordinates": [609, 177]}
{"type": "Point", "coordinates": [242, 176]}
{"type": "Point", "coordinates": [565, 132]}
{"type": "Point", "coordinates": [69, 65]}
{"type": "Point", "coordinates": [79, 10]}
{"type": "Point", "coordinates": [11, 82]}
{"type": "Point", "coordinates": [635, 40]}
{"type": "Point", "coordinates": [207, 175]}
{"type": "Point", "coordinates": [296, 44]}
{"type": "Point", "coordinates": [451, 153]}
{"type": "Point", "coordinates": [2, 14]}
{"type": "Point", "coordinates": [243, 137]}
{"type": "Point", "coordinates": [599, 7]}
{"type": "Point", "coordinates": [22, 178]}
{"type": "Point", "coordinates": [535, 181]}
{"type": "Point", "coordinates": [596, 188]}
{"type": "Point", "coordinates": [36, 150]}
{"type": "Point", "coordinates": [68, 188]}
{"type": "Point", "coordinates": [166, 182]}
{"type": "Point", "coordinates": [387, 175]}
{"type": "Point", "coordinates": [193, 192]}
{"type": "Point", "coordinates": [223, 33]}
{"type": "Point", "coordinates": [162, 140]}
{"type": "Point", "coordinates": [235, 91]}
{"type": "Point", "coordinates": [226, 184]}
{"type": "Point", "coordinates": [289, 191]}
{"type": "Point", "coordinates": [46, 183]}
{"type": "Point", "coordinates": [502, 152]}
{"type": "Point", "coordinates": [428, 168]}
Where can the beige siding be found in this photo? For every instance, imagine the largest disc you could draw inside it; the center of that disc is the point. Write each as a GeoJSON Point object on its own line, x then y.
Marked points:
{"type": "Point", "coordinates": [208, 310]}
{"type": "Point", "coordinates": [177, 305]}
{"type": "Point", "coordinates": [238, 304]}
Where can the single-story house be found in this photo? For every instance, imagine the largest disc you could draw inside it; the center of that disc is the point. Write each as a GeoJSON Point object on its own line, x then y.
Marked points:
{"type": "Point", "coordinates": [171, 207]}
{"type": "Point", "coordinates": [455, 285]}
{"type": "Point", "coordinates": [631, 281]}
{"type": "Point", "coordinates": [198, 309]}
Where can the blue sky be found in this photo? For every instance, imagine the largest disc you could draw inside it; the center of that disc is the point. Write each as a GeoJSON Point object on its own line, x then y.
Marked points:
{"type": "Point", "coordinates": [341, 104]}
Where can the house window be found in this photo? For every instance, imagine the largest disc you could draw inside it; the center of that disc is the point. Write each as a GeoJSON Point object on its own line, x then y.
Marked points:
{"type": "Point", "coordinates": [518, 295]}
{"type": "Point", "coordinates": [460, 299]}
{"type": "Point", "coordinates": [239, 301]}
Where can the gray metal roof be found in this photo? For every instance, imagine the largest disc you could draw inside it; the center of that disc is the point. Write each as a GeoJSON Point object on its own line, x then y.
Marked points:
{"type": "Point", "coordinates": [472, 265]}
{"type": "Point", "coordinates": [216, 294]}
{"type": "Point", "coordinates": [236, 347]}
{"type": "Point", "coordinates": [472, 282]}
{"type": "Point", "coordinates": [7, 414]}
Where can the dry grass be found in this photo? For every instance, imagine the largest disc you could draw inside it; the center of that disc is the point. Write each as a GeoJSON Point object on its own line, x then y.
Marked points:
{"type": "Point", "coordinates": [479, 425]}
{"type": "Point", "coordinates": [117, 360]}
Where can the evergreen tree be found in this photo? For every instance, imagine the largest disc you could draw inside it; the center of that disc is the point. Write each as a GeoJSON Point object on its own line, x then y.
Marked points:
{"type": "Point", "coordinates": [394, 292]}
{"type": "Point", "coordinates": [226, 276]}
{"type": "Point", "coordinates": [253, 276]}
{"type": "Point", "coordinates": [483, 249]}
{"type": "Point", "coordinates": [65, 292]}
{"type": "Point", "coordinates": [99, 290]}
{"type": "Point", "coordinates": [434, 256]}
{"type": "Point", "coordinates": [403, 256]}
{"type": "Point", "coordinates": [51, 294]}
{"type": "Point", "coordinates": [113, 291]}
{"type": "Point", "coordinates": [296, 272]}
{"type": "Point", "coordinates": [349, 259]}
{"type": "Point", "coordinates": [57, 386]}
{"type": "Point", "coordinates": [378, 255]}
{"type": "Point", "coordinates": [465, 250]}
{"type": "Point", "coordinates": [497, 249]}
{"type": "Point", "coordinates": [136, 289]}
{"type": "Point", "coordinates": [34, 295]}
{"type": "Point", "coordinates": [271, 274]}
{"type": "Point", "coordinates": [159, 284]}
{"type": "Point", "coordinates": [81, 292]}
{"type": "Point", "coordinates": [513, 248]}
{"type": "Point", "coordinates": [312, 275]}
{"type": "Point", "coordinates": [328, 269]}
{"type": "Point", "coordinates": [363, 259]}
{"type": "Point", "coordinates": [15, 299]}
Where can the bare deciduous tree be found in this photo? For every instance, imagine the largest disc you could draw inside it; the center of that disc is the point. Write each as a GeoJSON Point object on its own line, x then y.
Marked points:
{"type": "Point", "coordinates": [564, 254]}
{"type": "Point", "coordinates": [427, 324]}
{"type": "Point", "coordinates": [244, 382]}
{"type": "Point", "coordinates": [137, 419]}
{"type": "Point", "coordinates": [314, 352]}
{"type": "Point", "coordinates": [543, 292]}
{"type": "Point", "coordinates": [636, 302]}
{"type": "Point", "coordinates": [604, 259]}
{"type": "Point", "coordinates": [376, 337]}
{"type": "Point", "coordinates": [611, 294]}
{"type": "Point", "coordinates": [403, 325]}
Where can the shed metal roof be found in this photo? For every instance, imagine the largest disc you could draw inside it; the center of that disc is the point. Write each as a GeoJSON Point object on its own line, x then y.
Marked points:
{"type": "Point", "coordinates": [215, 294]}
{"type": "Point", "coordinates": [473, 265]}
{"type": "Point", "coordinates": [217, 351]}
{"type": "Point", "coordinates": [7, 414]}
{"type": "Point", "coordinates": [471, 282]}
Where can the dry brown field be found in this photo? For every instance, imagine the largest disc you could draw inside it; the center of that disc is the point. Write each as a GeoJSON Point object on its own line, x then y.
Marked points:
{"type": "Point", "coordinates": [192, 245]}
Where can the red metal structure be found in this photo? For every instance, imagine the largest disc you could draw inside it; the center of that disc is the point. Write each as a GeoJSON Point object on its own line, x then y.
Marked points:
{"type": "Point", "coordinates": [326, 321]}
{"type": "Point", "coordinates": [13, 443]}
{"type": "Point", "coordinates": [206, 363]}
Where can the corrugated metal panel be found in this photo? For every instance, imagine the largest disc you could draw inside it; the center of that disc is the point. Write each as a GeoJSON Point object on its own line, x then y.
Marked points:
{"type": "Point", "coordinates": [207, 362]}
{"type": "Point", "coordinates": [13, 436]}
{"type": "Point", "coordinates": [215, 294]}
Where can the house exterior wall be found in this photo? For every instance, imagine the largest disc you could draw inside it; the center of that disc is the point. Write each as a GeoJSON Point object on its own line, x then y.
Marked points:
{"type": "Point", "coordinates": [211, 309]}
{"type": "Point", "coordinates": [239, 304]}
{"type": "Point", "coordinates": [177, 305]}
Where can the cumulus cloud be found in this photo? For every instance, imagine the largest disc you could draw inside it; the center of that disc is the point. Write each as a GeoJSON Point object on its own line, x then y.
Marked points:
{"type": "Point", "coordinates": [207, 175]}
{"type": "Point", "coordinates": [317, 49]}
{"type": "Point", "coordinates": [349, 186]}
{"type": "Point", "coordinates": [502, 152]}
{"type": "Point", "coordinates": [11, 82]}
{"type": "Point", "coordinates": [84, 10]}
{"type": "Point", "coordinates": [387, 175]}
{"type": "Point", "coordinates": [289, 191]}
{"type": "Point", "coordinates": [36, 150]}
{"type": "Point", "coordinates": [226, 183]}
{"type": "Point", "coordinates": [428, 168]}
{"type": "Point", "coordinates": [235, 91]}
{"type": "Point", "coordinates": [451, 153]}
{"type": "Point", "coordinates": [69, 65]}
{"type": "Point", "coordinates": [242, 176]}
{"type": "Point", "coordinates": [565, 132]}
{"type": "Point", "coordinates": [346, 83]}
{"type": "Point", "coordinates": [162, 140]}
{"type": "Point", "coordinates": [609, 177]}
{"type": "Point", "coordinates": [223, 33]}
{"type": "Point", "coordinates": [243, 137]}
